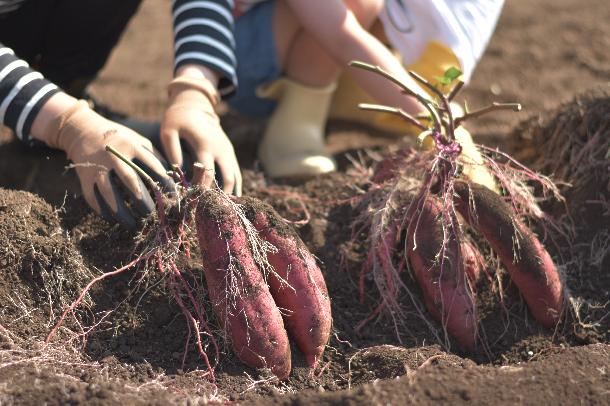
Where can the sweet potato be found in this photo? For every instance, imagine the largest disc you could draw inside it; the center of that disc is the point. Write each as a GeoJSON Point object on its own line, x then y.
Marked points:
{"type": "Point", "coordinates": [297, 285]}
{"type": "Point", "coordinates": [473, 261]}
{"type": "Point", "coordinates": [443, 286]}
{"type": "Point", "coordinates": [389, 166]}
{"type": "Point", "coordinates": [530, 266]}
{"type": "Point", "coordinates": [237, 289]}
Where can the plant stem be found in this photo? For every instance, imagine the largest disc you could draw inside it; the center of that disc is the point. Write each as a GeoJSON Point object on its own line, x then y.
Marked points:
{"type": "Point", "coordinates": [494, 107]}
{"type": "Point", "coordinates": [428, 104]}
{"type": "Point", "coordinates": [198, 173]}
{"type": "Point", "coordinates": [454, 92]}
{"type": "Point", "coordinates": [393, 110]}
{"type": "Point", "coordinates": [135, 167]}
{"type": "Point", "coordinates": [449, 125]}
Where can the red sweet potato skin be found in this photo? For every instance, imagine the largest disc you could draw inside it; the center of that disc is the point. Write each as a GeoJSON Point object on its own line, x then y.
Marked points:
{"type": "Point", "coordinates": [301, 291]}
{"type": "Point", "coordinates": [444, 288]}
{"type": "Point", "coordinates": [473, 261]}
{"type": "Point", "coordinates": [241, 299]}
{"type": "Point", "coordinates": [532, 269]}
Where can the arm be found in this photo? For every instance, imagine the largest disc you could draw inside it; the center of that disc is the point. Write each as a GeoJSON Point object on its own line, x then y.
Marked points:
{"type": "Point", "coordinates": [204, 45]}
{"type": "Point", "coordinates": [339, 32]}
{"type": "Point", "coordinates": [204, 69]}
{"type": "Point", "coordinates": [34, 108]}
{"type": "Point", "coordinates": [23, 94]}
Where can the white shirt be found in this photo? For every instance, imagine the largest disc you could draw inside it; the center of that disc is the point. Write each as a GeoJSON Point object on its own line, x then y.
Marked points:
{"type": "Point", "coordinates": [464, 26]}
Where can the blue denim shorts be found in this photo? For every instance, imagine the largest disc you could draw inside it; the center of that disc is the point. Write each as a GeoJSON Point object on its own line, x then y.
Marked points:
{"type": "Point", "coordinates": [257, 62]}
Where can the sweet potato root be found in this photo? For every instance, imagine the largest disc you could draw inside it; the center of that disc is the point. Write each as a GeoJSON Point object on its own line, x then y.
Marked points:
{"type": "Point", "coordinates": [530, 266]}
{"type": "Point", "coordinates": [443, 283]}
{"type": "Point", "coordinates": [297, 285]}
{"type": "Point", "coordinates": [239, 294]}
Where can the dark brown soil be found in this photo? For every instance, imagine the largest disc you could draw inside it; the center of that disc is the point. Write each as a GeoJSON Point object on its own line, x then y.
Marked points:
{"type": "Point", "coordinates": [442, 381]}
{"type": "Point", "coordinates": [51, 244]}
{"type": "Point", "coordinates": [575, 135]}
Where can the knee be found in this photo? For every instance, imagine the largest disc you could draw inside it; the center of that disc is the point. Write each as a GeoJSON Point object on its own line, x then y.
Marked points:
{"type": "Point", "coordinates": [366, 11]}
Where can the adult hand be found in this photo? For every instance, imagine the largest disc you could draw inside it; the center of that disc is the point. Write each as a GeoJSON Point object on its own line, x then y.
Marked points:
{"type": "Point", "coordinates": [190, 116]}
{"type": "Point", "coordinates": [106, 180]}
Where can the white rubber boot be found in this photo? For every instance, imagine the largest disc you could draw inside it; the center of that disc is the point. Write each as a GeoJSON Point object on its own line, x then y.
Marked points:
{"type": "Point", "coordinates": [293, 143]}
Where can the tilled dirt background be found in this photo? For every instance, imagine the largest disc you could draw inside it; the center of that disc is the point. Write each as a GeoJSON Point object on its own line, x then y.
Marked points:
{"type": "Point", "coordinates": [543, 54]}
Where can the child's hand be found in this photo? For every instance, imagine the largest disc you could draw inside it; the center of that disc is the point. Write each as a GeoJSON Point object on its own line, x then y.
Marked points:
{"type": "Point", "coordinates": [191, 116]}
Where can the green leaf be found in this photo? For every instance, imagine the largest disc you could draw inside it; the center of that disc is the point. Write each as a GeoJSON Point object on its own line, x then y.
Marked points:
{"type": "Point", "coordinates": [442, 80]}
{"type": "Point", "coordinates": [450, 75]}
{"type": "Point", "coordinates": [453, 73]}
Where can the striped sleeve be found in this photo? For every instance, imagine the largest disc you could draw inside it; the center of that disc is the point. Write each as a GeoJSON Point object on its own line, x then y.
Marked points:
{"type": "Point", "coordinates": [23, 91]}
{"type": "Point", "coordinates": [6, 6]}
{"type": "Point", "coordinates": [204, 35]}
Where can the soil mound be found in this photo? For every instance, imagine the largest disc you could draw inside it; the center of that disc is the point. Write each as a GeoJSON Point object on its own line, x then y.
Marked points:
{"type": "Point", "coordinates": [448, 383]}
{"type": "Point", "coordinates": [572, 143]}
{"type": "Point", "coordinates": [42, 269]}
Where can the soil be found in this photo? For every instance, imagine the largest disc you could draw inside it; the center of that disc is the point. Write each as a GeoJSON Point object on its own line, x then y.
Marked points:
{"type": "Point", "coordinates": [543, 53]}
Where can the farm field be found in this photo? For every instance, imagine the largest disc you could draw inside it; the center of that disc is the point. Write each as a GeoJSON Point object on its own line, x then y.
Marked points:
{"type": "Point", "coordinates": [550, 56]}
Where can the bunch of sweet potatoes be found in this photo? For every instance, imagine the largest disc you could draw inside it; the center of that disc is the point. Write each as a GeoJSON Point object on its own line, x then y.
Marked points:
{"type": "Point", "coordinates": [443, 267]}
{"type": "Point", "coordinates": [259, 299]}
{"type": "Point", "coordinates": [443, 261]}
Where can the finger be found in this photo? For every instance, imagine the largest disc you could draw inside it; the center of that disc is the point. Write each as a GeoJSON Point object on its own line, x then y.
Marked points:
{"type": "Point", "coordinates": [155, 152]}
{"type": "Point", "coordinates": [109, 198]}
{"type": "Point", "coordinates": [165, 182]}
{"type": "Point", "coordinates": [133, 186]}
{"type": "Point", "coordinates": [228, 176]}
{"type": "Point", "coordinates": [103, 208]}
{"type": "Point", "coordinates": [238, 181]}
{"type": "Point", "coordinates": [155, 138]}
{"type": "Point", "coordinates": [90, 198]}
{"type": "Point", "coordinates": [154, 168]}
{"type": "Point", "coordinates": [146, 205]}
{"type": "Point", "coordinates": [146, 143]}
{"type": "Point", "coordinates": [188, 158]}
{"type": "Point", "coordinates": [170, 141]}
{"type": "Point", "coordinates": [152, 161]}
{"type": "Point", "coordinates": [152, 143]}
{"type": "Point", "coordinates": [159, 156]}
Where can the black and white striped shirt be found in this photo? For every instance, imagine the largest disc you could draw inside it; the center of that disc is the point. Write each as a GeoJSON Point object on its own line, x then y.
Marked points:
{"type": "Point", "coordinates": [203, 34]}
{"type": "Point", "coordinates": [23, 91]}
{"type": "Point", "coordinates": [7, 6]}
